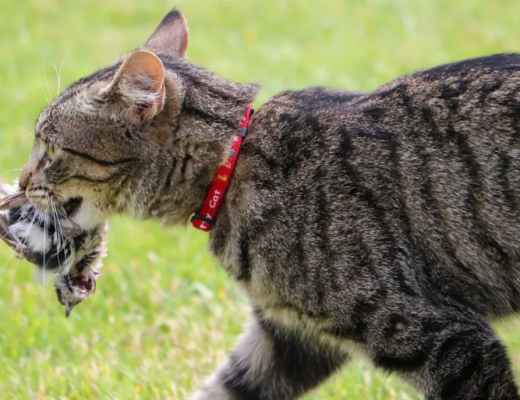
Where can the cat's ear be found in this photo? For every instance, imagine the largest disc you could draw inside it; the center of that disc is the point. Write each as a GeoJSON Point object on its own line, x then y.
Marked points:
{"type": "Point", "coordinates": [138, 87]}
{"type": "Point", "coordinates": [171, 36]}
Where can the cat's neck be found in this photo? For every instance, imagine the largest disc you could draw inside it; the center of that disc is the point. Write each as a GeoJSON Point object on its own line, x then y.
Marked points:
{"type": "Point", "coordinates": [211, 109]}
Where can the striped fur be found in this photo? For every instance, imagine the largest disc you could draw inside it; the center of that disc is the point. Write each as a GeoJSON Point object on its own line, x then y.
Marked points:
{"type": "Point", "coordinates": [382, 223]}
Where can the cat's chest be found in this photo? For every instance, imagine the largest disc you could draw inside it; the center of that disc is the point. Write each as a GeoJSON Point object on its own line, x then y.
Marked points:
{"type": "Point", "coordinates": [260, 285]}
{"type": "Point", "coordinates": [263, 291]}
{"type": "Point", "coordinates": [267, 283]}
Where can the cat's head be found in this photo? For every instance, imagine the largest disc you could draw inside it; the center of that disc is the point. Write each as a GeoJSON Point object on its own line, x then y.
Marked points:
{"type": "Point", "coordinates": [131, 137]}
{"type": "Point", "coordinates": [97, 134]}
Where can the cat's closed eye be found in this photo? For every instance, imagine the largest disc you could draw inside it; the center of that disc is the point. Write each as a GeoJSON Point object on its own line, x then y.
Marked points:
{"type": "Point", "coordinates": [49, 150]}
{"type": "Point", "coordinates": [52, 148]}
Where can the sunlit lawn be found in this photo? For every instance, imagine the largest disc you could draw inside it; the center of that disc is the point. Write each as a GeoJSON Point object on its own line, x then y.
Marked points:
{"type": "Point", "coordinates": [165, 314]}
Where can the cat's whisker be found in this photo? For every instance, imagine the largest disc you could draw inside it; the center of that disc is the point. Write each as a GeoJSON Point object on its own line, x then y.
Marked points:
{"type": "Point", "coordinates": [47, 85]}
{"type": "Point", "coordinates": [7, 234]}
{"type": "Point", "coordinates": [61, 241]}
{"type": "Point", "coordinates": [11, 170]}
{"type": "Point", "coordinates": [60, 238]}
{"type": "Point", "coordinates": [15, 269]}
{"type": "Point", "coordinates": [47, 99]}
{"type": "Point", "coordinates": [45, 252]}
{"type": "Point", "coordinates": [58, 75]}
{"type": "Point", "coordinates": [52, 219]}
{"type": "Point", "coordinates": [23, 240]}
{"type": "Point", "coordinates": [28, 230]}
{"type": "Point", "coordinates": [25, 208]}
{"type": "Point", "coordinates": [38, 226]}
{"type": "Point", "coordinates": [56, 238]}
{"type": "Point", "coordinates": [13, 253]}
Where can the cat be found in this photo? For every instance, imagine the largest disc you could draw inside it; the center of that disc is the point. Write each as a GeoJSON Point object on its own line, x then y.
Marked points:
{"type": "Point", "coordinates": [385, 223]}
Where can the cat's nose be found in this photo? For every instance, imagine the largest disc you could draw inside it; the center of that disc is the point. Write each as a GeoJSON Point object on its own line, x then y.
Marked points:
{"type": "Point", "coordinates": [25, 177]}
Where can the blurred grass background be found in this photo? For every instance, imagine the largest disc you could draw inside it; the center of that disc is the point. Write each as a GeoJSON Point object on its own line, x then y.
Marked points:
{"type": "Point", "coordinates": [165, 314]}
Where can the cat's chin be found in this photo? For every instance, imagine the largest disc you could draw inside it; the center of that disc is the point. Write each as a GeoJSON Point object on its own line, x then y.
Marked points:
{"type": "Point", "coordinates": [87, 216]}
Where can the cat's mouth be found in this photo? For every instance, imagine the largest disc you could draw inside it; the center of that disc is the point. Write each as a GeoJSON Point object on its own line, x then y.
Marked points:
{"type": "Point", "coordinates": [44, 202]}
{"type": "Point", "coordinates": [72, 206]}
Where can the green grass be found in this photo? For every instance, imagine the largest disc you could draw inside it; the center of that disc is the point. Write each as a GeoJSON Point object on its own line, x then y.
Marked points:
{"type": "Point", "coordinates": [165, 314]}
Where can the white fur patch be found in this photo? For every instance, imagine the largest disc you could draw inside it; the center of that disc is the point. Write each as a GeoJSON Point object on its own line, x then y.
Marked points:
{"type": "Point", "coordinates": [36, 239]}
{"type": "Point", "coordinates": [88, 216]}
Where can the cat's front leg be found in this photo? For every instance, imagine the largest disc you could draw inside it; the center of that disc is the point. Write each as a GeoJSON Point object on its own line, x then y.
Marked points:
{"type": "Point", "coordinates": [272, 364]}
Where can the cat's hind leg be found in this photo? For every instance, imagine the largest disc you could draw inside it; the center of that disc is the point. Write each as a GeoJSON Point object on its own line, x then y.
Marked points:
{"type": "Point", "coordinates": [271, 364]}
{"type": "Point", "coordinates": [446, 353]}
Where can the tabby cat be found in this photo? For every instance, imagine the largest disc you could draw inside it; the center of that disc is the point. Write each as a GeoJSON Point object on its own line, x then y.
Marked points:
{"type": "Point", "coordinates": [385, 223]}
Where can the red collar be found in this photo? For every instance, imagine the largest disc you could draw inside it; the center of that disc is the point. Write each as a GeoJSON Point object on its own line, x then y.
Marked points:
{"type": "Point", "coordinates": [205, 218]}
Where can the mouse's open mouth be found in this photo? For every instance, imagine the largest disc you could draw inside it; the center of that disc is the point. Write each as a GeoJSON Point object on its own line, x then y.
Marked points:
{"type": "Point", "coordinates": [77, 288]}
{"type": "Point", "coordinates": [84, 284]}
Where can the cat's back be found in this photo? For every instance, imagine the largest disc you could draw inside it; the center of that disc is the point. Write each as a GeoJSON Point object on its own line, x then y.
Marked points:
{"type": "Point", "coordinates": [495, 77]}
{"type": "Point", "coordinates": [426, 166]}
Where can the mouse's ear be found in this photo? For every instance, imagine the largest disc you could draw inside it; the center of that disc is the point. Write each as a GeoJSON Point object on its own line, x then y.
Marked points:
{"type": "Point", "coordinates": [171, 36]}
{"type": "Point", "coordinates": [137, 90]}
